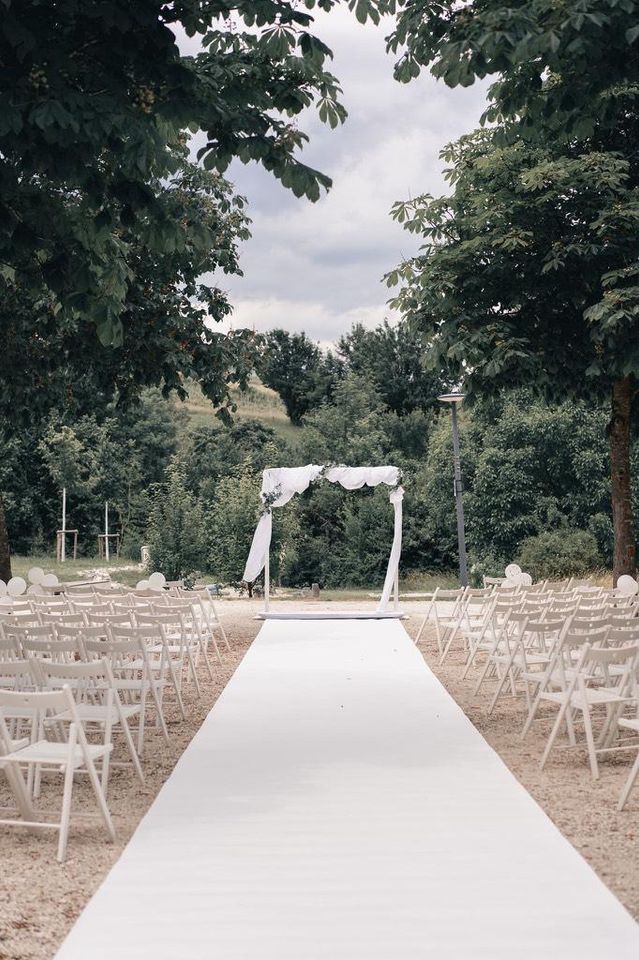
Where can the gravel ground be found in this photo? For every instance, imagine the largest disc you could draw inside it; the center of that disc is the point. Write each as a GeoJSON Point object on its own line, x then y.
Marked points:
{"type": "Point", "coordinates": [40, 899]}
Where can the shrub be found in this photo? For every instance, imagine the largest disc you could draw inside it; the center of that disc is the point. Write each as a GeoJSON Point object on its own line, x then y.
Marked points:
{"type": "Point", "coordinates": [176, 528]}
{"type": "Point", "coordinates": [559, 553]}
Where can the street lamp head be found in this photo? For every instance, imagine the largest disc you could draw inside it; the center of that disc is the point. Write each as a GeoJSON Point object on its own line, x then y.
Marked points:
{"type": "Point", "coordinates": [451, 397]}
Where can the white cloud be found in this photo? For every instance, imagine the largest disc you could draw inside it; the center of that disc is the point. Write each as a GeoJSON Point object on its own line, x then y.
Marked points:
{"type": "Point", "coordinates": [318, 320]}
{"type": "Point", "coordinates": [318, 267]}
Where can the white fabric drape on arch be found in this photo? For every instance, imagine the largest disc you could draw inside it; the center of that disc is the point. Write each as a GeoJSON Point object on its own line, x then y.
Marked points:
{"type": "Point", "coordinates": [280, 484]}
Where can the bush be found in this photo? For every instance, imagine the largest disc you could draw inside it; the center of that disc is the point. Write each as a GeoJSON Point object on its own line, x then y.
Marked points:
{"type": "Point", "coordinates": [176, 528]}
{"type": "Point", "coordinates": [559, 553]}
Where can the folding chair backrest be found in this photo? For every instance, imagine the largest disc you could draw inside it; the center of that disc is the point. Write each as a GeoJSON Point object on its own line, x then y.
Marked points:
{"type": "Point", "coordinates": [17, 672]}
{"type": "Point", "coordinates": [573, 639]}
{"type": "Point", "coordinates": [171, 619]}
{"type": "Point", "coordinates": [589, 620]}
{"type": "Point", "coordinates": [451, 595]}
{"type": "Point", "coordinates": [91, 675]}
{"type": "Point", "coordinates": [599, 660]}
{"type": "Point", "coordinates": [39, 702]}
{"type": "Point", "coordinates": [53, 649]}
{"type": "Point", "coordinates": [60, 619]}
{"type": "Point", "coordinates": [551, 626]}
{"type": "Point", "coordinates": [108, 619]}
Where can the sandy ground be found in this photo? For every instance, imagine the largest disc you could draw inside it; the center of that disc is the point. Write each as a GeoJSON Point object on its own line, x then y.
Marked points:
{"type": "Point", "coordinates": [40, 899]}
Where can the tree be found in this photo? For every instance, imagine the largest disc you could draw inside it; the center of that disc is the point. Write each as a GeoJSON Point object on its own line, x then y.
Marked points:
{"type": "Point", "coordinates": [213, 452]}
{"type": "Point", "coordinates": [176, 537]}
{"type": "Point", "coordinates": [96, 198]}
{"type": "Point", "coordinates": [528, 275]}
{"type": "Point", "coordinates": [391, 358]}
{"type": "Point", "coordinates": [94, 98]}
{"type": "Point", "coordinates": [298, 370]}
{"type": "Point", "coordinates": [570, 68]}
{"type": "Point", "coordinates": [51, 360]}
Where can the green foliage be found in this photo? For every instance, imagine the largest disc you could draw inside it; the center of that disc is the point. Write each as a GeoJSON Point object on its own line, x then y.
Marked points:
{"type": "Point", "coordinates": [570, 67]}
{"type": "Point", "coordinates": [53, 360]}
{"type": "Point", "coordinates": [297, 369]}
{"type": "Point", "coordinates": [518, 264]}
{"type": "Point", "coordinates": [528, 273]}
{"type": "Point", "coordinates": [391, 358]}
{"type": "Point", "coordinates": [559, 553]}
{"type": "Point", "coordinates": [176, 535]}
{"type": "Point", "coordinates": [212, 453]}
{"type": "Point", "coordinates": [117, 455]}
{"type": "Point", "coordinates": [535, 467]}
{"type": "Point", "coordinates": [94, 99]}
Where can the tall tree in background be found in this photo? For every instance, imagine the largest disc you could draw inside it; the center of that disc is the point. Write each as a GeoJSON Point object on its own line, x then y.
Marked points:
{"type": "Point", "coordinates": [391, 357]}
{"type": "Point", "coordinates": [296, 367]}
{"type": "Point", "coordinates": [529, 275]}
{"type": "Point", "coordinates": [567, 77]}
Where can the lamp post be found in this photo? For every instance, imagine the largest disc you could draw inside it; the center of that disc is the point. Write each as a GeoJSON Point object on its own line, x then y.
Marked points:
{"type": "Point", "coordinates": [453, 399]}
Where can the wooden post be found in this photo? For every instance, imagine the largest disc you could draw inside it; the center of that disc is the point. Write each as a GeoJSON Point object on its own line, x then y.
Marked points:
{"type": "Point", "coordinates": [63, 546]}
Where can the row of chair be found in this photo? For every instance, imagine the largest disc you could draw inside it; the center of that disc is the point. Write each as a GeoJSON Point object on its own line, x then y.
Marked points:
{"type": "Point", "coordinates": [575, 649]}
{"type": "Point", "coordinates": [76, 672]}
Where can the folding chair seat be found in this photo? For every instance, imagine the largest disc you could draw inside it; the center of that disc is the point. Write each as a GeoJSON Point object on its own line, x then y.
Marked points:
{"type": "Point", "coordinates": [68, 756]}
{"type": "Point", "coordinates": [531, 650]}
{"type": "Point", "coordinates": [476, 609]}
{"type": "Point", "coordinates": [172, 643]}
{"type": "Point", "coordinates": [591, 686]}
{"type": "Point", "coordinates": [98, 704]}
{"type": "Point", "coordinates": [135, 676]}
{"type": "Point", "coordinates": [211, 622]}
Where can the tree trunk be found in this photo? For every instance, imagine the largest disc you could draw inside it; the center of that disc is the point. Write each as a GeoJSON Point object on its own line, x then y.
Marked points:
{"type": "Point", "coordinates": [623, 392]}
{"type": "Point", "coordinates": [5, 552]}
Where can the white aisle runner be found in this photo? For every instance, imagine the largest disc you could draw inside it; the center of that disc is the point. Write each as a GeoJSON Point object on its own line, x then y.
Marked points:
{"type": "Point", "coordinates": [338, 805]}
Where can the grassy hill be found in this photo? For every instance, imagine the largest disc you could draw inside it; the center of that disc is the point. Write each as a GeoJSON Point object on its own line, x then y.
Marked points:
{"type": "Point", "coordinates": [256, 403]}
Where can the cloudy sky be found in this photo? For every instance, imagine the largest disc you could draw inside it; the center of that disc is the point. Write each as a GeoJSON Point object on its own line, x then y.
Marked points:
{"type": "Point", "coordinates": [318, 267]}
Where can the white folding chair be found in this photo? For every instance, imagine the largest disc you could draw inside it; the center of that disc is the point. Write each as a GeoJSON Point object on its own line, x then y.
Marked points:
{"type": "Point", "coordinates": [592, 686]}
{"type": "Point", "coordinates": [126, 649]}
{"type": "Point", "coordinates": [98, 704]}
{"type": "Point", "coordinates": [60, 756]}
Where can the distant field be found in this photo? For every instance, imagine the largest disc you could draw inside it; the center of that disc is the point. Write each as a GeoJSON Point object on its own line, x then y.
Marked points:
{"type": "Point", "coordinates": [256, 403]}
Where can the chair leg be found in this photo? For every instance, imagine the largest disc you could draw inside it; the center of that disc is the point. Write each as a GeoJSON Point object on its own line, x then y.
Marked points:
{"type": "Point", "coordinates": [630, 782]}
{"type": "Point", "coordinates": [99, 796]}
{"type": "Point", "coordinates": [67, 796]}
{"type": "Point", "coordinates": [553, 733]}
{"type": "Point", "coordinates": [421, 628]}
{"type": "Point", "coordinates": [592, 753]}
{"type": "Point", "coordinates": [135, 759]}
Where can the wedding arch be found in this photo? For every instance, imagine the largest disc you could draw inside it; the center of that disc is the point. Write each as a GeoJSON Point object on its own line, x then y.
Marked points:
{"type": "Point", "coordinates": [280, 484]}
